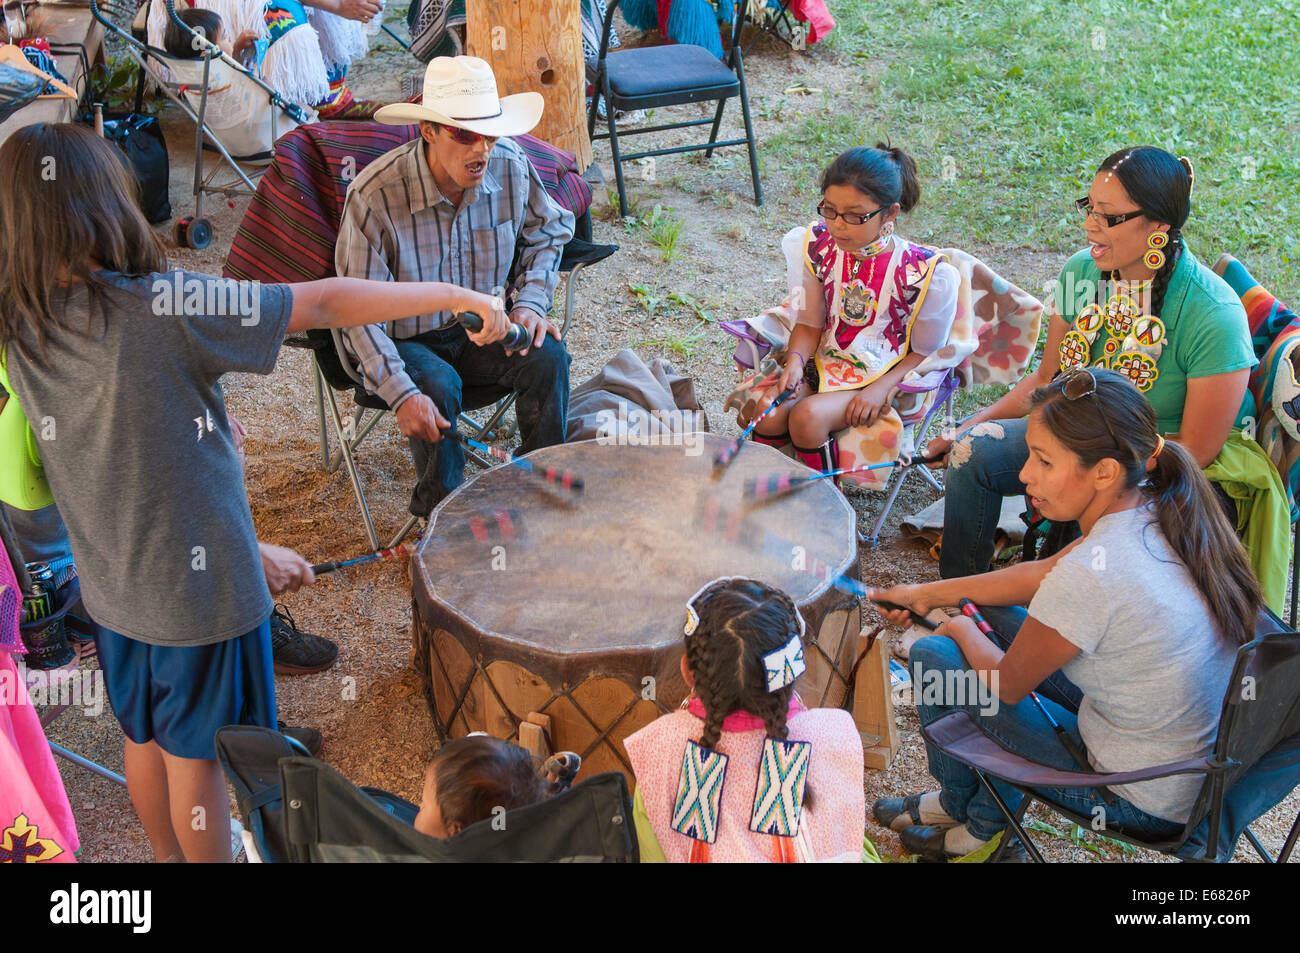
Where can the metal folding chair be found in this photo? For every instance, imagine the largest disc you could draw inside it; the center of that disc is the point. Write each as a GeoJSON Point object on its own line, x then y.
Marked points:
{"type": "Point", "coordinates": [651, 77]}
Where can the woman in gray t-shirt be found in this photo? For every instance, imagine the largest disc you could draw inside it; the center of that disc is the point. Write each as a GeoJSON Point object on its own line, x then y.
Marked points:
{"type": "Point", "coordinates": [1129, 637]}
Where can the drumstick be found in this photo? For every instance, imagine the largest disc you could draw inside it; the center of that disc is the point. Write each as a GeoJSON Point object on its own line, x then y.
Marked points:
{"type": "Point", "coordinates": [480, 526]}
{"type": "Point", "coordinates": [396, 552]}
{"type": "Point", "coordinates": [972, 612]}
{"type": "Point", "coordinates": [759, 488]}
{"type": "Point", "coordinates": [917, 618]}
{"type": "Point", "coordinates": [730, 450]}
{"type": "Point", "coordinates": [564, 479]}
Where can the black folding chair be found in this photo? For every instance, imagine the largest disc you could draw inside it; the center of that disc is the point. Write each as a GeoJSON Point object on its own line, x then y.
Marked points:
{"type": "Point", "coordinates": [1259, 727]}
{"type": "Point", "coordinates": [300, 810]}
{"type": "Point", "coordinates": [655, 76]}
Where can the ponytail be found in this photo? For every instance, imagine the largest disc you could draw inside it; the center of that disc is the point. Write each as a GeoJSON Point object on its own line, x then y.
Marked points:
{"type": "Point", "coordinates": [1186, 507]}
{"type": "Point", "coordinates": [886, 173]}
{"type": "Point", "coordinates": [1200, 535]}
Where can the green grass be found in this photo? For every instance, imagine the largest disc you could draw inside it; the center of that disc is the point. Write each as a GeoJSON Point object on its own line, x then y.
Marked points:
{"type": "Point", "coordinates": [664, 230]}
{"type": "Point", "coordinates": [1021, 105]}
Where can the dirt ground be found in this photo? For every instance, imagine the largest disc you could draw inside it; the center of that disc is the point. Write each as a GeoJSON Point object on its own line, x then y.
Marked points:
{"type": "Point", "coordinates": [377, 726]}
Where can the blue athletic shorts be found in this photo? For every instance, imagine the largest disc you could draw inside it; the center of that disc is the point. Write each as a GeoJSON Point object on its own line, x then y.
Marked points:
{"type": "Point", "coordinates": [179, 696]}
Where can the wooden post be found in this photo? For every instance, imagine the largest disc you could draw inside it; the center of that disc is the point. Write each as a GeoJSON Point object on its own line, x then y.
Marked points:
{"type": "Point", "coordinates": [537, 45]}
{"type": "Point", "coordinates": [873, 706]}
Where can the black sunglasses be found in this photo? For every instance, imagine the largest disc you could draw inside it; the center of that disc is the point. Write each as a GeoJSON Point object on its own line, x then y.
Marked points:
{"type": "Point", "coordinates": [1080, 382]}
{"type": "Point", "coordinates": [1084, 205]}
{"type": "Point", "coordinates": [851, 218]}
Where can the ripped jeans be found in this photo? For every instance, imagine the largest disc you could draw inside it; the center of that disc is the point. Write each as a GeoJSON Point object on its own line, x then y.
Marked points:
{"type": "Point", "coordinates": [983, 467]}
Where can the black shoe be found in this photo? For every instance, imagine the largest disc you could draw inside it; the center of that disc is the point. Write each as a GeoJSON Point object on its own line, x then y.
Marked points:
{"type": "Point", "coordinates": [298, 653]}
{"type": "Point", "coordinates": [309, 738]}
{"type": "Point", "coordinates": [927, 841]}
{"type": "Point", "coordinates": [896, 813]}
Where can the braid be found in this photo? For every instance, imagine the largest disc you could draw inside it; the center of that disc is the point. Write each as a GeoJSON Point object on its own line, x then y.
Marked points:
{"type": "Point", "coordinates": [1160, 283]}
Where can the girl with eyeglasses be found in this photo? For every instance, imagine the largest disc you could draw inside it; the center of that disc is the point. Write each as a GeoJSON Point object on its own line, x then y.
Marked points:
{"type": "Point", "coordinates": [1129, 636]}
{"type": "Point", "coordinates": [870, 308]}
{"type": "Point", "coordinates": [1139, 302]}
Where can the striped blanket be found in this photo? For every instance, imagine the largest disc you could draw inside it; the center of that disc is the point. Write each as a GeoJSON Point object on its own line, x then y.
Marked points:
{"type": "Point", "coordinates": [289, 230]}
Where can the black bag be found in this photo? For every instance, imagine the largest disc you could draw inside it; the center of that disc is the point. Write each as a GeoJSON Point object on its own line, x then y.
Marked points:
{"type": "Point", "coordinates": [141, 138]}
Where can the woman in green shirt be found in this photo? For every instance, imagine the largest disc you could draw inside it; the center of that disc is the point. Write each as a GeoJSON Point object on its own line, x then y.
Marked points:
{"type": "Point", "coordinates": [1137, 301]}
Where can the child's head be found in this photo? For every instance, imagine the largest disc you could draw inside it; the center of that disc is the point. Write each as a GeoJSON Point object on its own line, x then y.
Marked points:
{"type": "Point", "coordinates": [737, 624]}
{"type": "Point", "coordinates": [469, 777]}
{"type": "Point", "coordinates": [69, 205]}
{"type": "Point", "coordinates": [180, 43]}
{"type": "Point", "coordinates": [879, 182]}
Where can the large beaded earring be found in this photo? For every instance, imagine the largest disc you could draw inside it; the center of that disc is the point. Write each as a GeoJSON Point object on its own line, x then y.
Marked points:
{"type": "Point", "coordinates": [1155, 258]}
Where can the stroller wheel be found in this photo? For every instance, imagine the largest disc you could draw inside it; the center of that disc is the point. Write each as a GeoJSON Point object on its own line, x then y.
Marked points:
{"type": "Point", "coordinates": [199, 233]}
{"type": "Point", "coordinates": [180, 231]}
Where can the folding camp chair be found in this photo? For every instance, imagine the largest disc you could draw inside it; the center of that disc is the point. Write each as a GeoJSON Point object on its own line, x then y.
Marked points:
{"type": "Point", "coordinates": [330, 820]}
{"type": "Point", "coordinates": [650, 77]}
{"type": "Point", "coordinates": [1258, 746]}
{"type": "Point", "coordinates": [991, 341]}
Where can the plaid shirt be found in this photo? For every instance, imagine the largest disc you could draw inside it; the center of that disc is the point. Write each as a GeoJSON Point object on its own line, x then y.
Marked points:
{"type": "Point", "coordinates": [398, 226]}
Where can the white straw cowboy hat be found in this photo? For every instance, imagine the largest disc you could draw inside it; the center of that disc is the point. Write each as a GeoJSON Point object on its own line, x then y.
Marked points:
{"type": "Point", "coordinates": [461, 91]}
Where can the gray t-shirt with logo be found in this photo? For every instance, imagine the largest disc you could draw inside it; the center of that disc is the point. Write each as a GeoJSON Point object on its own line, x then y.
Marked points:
{"type": "Point", "coordinates": [1152, 667]}
{"type": "Point", "coordinates": [135, 443]}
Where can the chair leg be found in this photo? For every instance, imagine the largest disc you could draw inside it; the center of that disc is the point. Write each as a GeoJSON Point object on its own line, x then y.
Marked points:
{"type": "Point", "coordinates": [320, 388]}
{"type": "Point", "coordinates": [717, 124]}
{"type": "Point", "coordinates": [613, 148]}
{"type": "Point", "coordinates": [403, 532]}
{"type": "Point", "coordinates": [873, 540]}
{"type": "Point", "coordinates": [353, 474]}
{"type": "Point", "coordinates": [1285, 853]}
{"type": "Point", "coordinates": [1013, 818]}
{"type": "Point", "coordinates": [749, 132]}
{"type": "Point", "coordinates": [570, 298]}
{"type": "Point", "coordinates": [1259, 848]}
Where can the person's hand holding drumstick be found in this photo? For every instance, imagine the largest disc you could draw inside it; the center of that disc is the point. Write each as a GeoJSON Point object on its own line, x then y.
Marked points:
{"type": "Point", "coordinates": [418, 417]}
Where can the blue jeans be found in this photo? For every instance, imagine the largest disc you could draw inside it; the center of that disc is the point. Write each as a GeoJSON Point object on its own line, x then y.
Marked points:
{"type": "Point", "coordinates": [982, 470]}
{"type": "Point", "coordinates": [1021, 728]}
{"type": "Point", "coordinates": [452, 370]}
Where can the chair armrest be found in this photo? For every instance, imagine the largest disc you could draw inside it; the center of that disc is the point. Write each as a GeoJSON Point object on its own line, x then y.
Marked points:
{"type": "Point", "coordinates": [925, 383]}
{"type": "Point", "coordinates": [579, 252]}
{"type": "Point", "coordinates": [960, 737]}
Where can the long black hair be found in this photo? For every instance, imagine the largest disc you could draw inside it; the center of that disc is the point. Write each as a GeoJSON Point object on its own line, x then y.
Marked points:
{"type": "Point", "coordinates": [1188, 511]}
{"type": "Point", "coordinates": [1161, 187]}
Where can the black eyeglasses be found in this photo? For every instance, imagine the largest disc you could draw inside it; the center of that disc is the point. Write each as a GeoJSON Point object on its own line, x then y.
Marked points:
{"type": "Point", "coordinates": [851, 218]}
{"type": "Point", "coordinates": [1084, 205]}
{"type": "Point", "coordinates": [1080, 382]}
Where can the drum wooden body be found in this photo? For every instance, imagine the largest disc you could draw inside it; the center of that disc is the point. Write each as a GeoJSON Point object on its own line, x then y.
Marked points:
{"type": "Point", "coordinates": [574, 607]}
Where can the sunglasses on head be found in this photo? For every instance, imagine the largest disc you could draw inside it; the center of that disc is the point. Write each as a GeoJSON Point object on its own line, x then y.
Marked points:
{"type": "Point", "coordinates": [467, 138]}
{"type": "Point", "coordinates": [1080, 382]}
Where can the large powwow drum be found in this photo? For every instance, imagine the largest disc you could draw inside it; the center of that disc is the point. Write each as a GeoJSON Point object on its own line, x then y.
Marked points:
{"type": "Point", "coordinates": [530, 600]}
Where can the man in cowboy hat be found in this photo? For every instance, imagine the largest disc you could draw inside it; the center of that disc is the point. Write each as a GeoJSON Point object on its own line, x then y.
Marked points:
{"type": "Point", "coordinates": [454, 205]}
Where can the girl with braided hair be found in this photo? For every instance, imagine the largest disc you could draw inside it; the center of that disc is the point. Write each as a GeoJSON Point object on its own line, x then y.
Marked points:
{"type": "Point", "coordinates": [1138, 302]}
{"type": "Point", "coordinates": [730, 777]}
